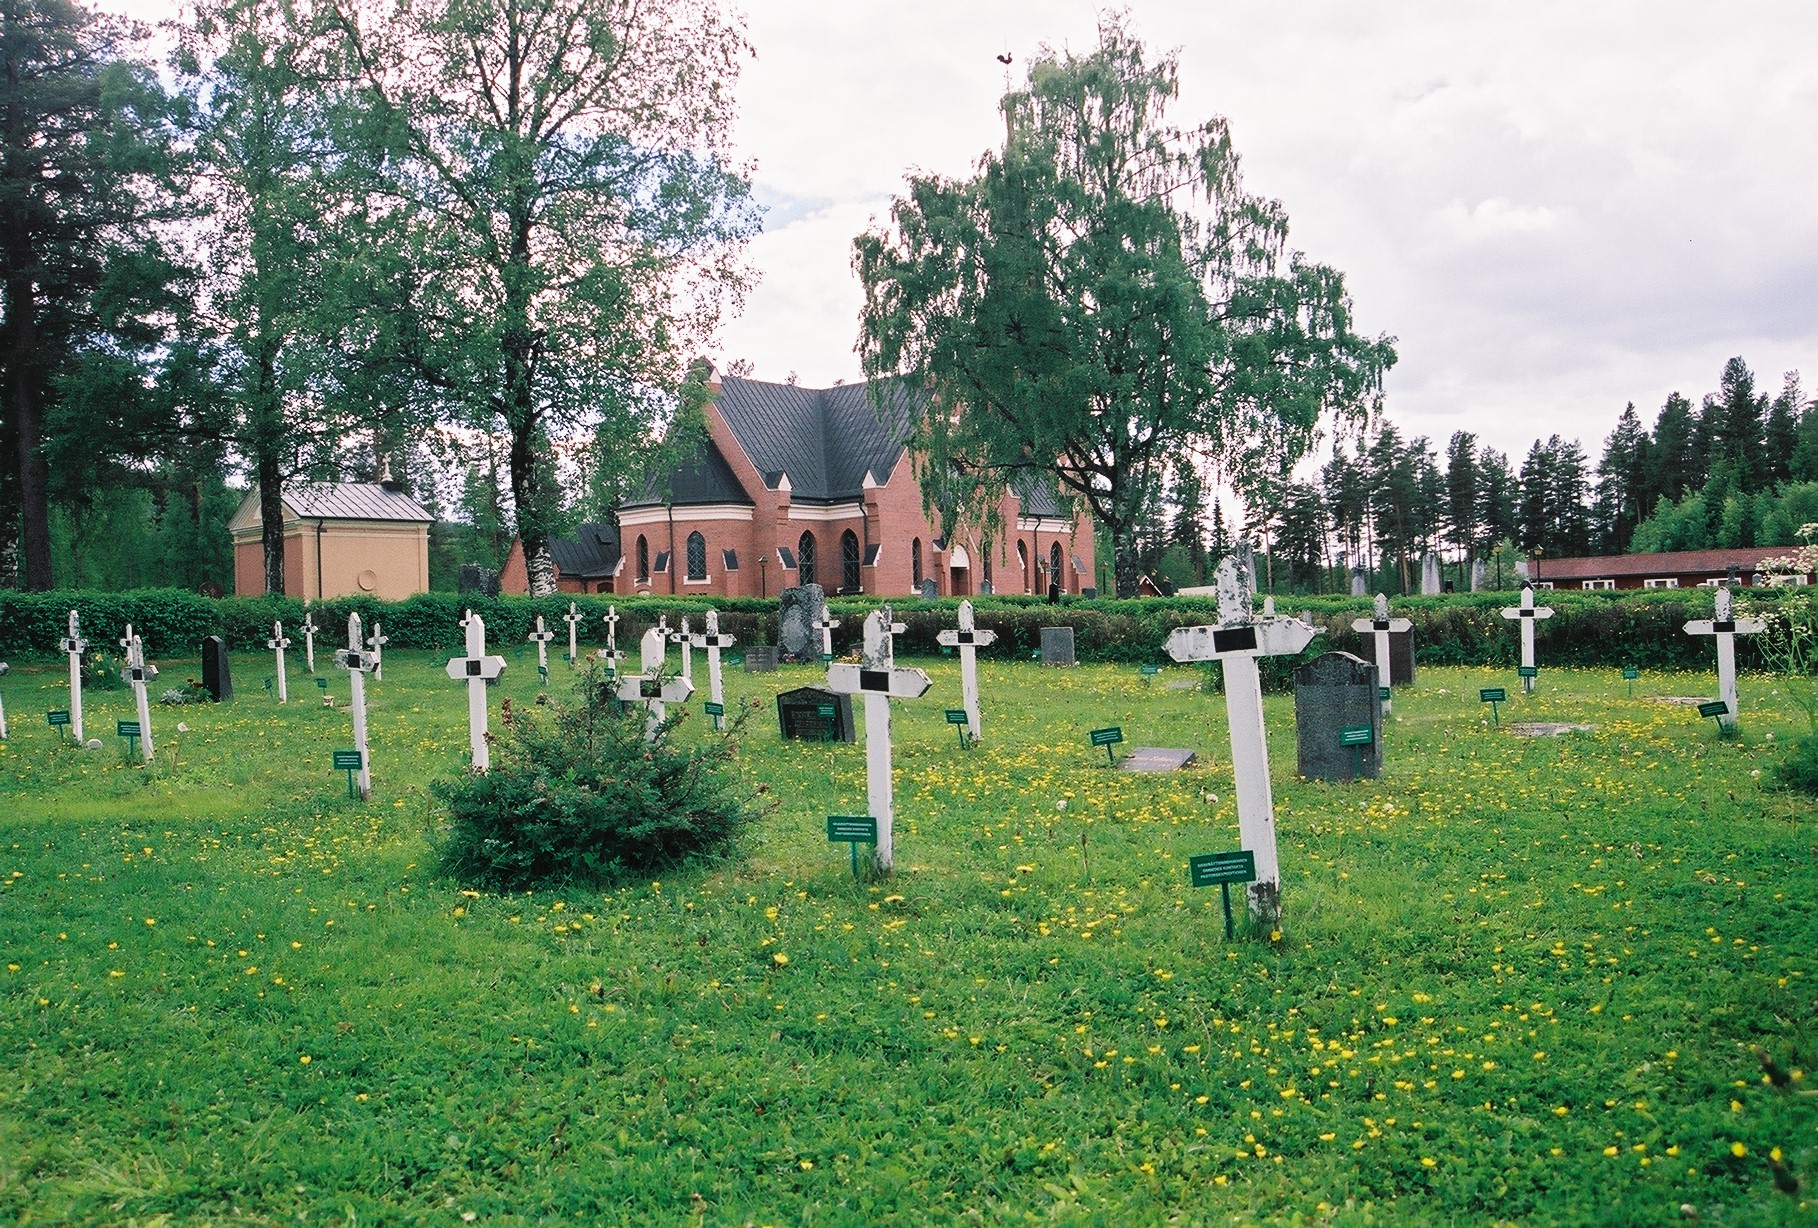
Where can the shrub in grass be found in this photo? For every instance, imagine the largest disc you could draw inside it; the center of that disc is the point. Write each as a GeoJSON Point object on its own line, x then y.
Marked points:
{"type": "Point", "coordinates": [577, 796]}
{"type": "Point", "coordinates": [1798, 772]}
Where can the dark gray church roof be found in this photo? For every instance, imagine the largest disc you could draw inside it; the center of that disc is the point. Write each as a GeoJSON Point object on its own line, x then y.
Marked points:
{"type": "Point", "coordinates": [825, 439]}
{"type": "Point", "coordinates": [591, 553]}
{"type": "Point", "coordinates": [705, 477]}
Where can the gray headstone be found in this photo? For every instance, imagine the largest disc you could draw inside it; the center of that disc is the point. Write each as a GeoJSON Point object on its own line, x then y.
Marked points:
{"type": "Point", "coordinates": [798, 609]}
{"type": "Point", "coordinates": [1401, 657]}
{"type": "Point", "coordinates": [1157, 759]}
{"type": "Point", "coordinates": [930, 590]}
{"type": "Point", "coordinates": [1480, 575]}
{"type": "Point", "coordinates": [798, 715]}
{"type": "Point", "coordinates": [1431, 581]}
{"type": "Point", "coordinates": [217, 674]}
{"type": "Point", "coordinates": [985, 588]}
{"type": "Point", "coordinates": [760, 659]}
{"type": "Point", "coordinates": [1057, 646]}
{"type": "Point", "coordinates": [1360, 582]}
{"type": "Point", "coordinates": [478, 579]}
{"type": "Point", "coordinates": [1332, 693]}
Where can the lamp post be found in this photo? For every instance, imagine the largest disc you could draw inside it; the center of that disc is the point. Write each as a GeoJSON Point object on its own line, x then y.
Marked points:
{"type": "Point", "coordinates": [763, 576]}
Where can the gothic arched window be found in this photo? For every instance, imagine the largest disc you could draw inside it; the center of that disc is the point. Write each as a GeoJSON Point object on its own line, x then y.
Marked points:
{"type": "Point", "coordinates": [915, 562]}
{"type": "Point", "coordinates": [643, 558]}
{"type": "Point", "coordinates": [1056, 574]}
{"type": "Point", "coordinates": [1022, 563]}
{"type": "Point", "coordinates": [804, 559]}
{"type": "Point", "coordinates": [849, 562]}
{"type": "Point", "coordinates": [697, 556]}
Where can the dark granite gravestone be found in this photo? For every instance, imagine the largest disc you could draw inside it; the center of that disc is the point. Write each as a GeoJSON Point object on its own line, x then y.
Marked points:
{"type": "Point", "coordinates": [1057, 646]}
{"type": "Point", "coordinates": [985, 588]}
{"type": "Point", "coordinates": [799, 715]}
{"type": "Point", "coordinates": [798, 609]}
{"type": "Point", "coordinates": [1334, 701]}
{"type": "Point", "coordinates": [1401, 657]}
{"type": "Point", "coordinates": [760, 659]}
{"type": "Point", "coordinates": [930, 590]}
{"type": "Point", "coordinates": [217, 675]}
{"type": "Point", "coordinates": [478, 579]}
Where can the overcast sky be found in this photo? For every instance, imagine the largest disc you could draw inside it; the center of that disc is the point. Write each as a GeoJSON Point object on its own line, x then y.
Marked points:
{"type": "Point", "coordinates": [1557, 208]}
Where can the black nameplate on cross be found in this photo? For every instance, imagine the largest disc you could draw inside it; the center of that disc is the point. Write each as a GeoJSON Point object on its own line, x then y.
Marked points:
{"type": "Point", "coordinates": [965, 637]}
{"type": "Point", "coordinates": [1233, 639]}
{"type": "Point", "coordinates": [1727, 625]}
{"type": "Point", "coordinates": [650, 688]}
{"type": "Point", "coordinates": [1381, 624]}
{"type": "Point", "coordinates": [473, 668]}
{"type": "Point", "coordinates": [874, 680]}
{"type": "Point", "coordinates": [1527, 611]}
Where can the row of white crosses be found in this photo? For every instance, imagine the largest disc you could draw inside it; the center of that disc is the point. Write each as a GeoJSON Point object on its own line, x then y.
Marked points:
{"type": "Point", "coordinates": [879, 680]}
{"type": "Point", "coordinates": [541, 637]}
{"type": "Point", "coordinates": [1529, 614]}
{"type": "Point", "coordinates": [357, 661]}
{"type": "Point", "coordinates": [610, 655]}
{"type": "Point", "coordinates": [1382, 626]}
{"type": "Point", "coordinates": [649, 687]}
{"type": "Point", "coordinates": [137, 672]}
{"type": "Point", "coordinates": [1725, 628]}
{"type": "Point", "coordinates": [1236, 643]}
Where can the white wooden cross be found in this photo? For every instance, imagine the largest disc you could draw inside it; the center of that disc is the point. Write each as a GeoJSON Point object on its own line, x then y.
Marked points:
{"type": "Point", "coordinates": [825, 625]}
{"type": "Point", "coordinates": [277, 643]}
{"type": "Point", "coordinates": [1382, 625]}
{"type": "Point", "coordinates": [138, 673]}
{"type": "Point", "coordinates": [376, 642]}
{"type": "Point", "coordinates": [611, 654]}
{"type": "Point", "coordinates": [685, 638]}
{"type": "Point", "coordinates": [1726, 627]}
{"type": "Point", "coordinates": [541, 638]}
{"type": "Point", "coordinates": [878, 679]}
{"type": "Point", "coordinates": [1527, 612]}
{"type": "Point", "coordinates": [309, 638]}
{"type": "Point", "coordinates": [573, 619]}
{"type": "Point", "coordinates": [356, 662]}
{"type": "Point", "coordinates": [476, 668]}
{"type": "Point", "coordinates": [649, 687]}
{"type": "Point", "coordinates": [1236, 644]}
{"type": "Point", "coordinates": [968, 640]}
{"type": "Point", "coordinates": [713, 642]}
{"type": "Point", "coordinates": [3, 668]}
{"type": "Point", "coordinates": [75, 646]}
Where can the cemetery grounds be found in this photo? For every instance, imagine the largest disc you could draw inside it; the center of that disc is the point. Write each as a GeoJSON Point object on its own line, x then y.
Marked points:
{"type": "Point", "coordinates": [1559, 980]}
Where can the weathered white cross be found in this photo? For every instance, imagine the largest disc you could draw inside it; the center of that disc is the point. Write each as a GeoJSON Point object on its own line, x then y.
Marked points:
{"type": "Point", "coordinates": [376, 642]}
{"type": "Point", "coordinates": [1726, 627]}
{"type": "Point", "coordinates": [138, 673]}
{"type": "Point", "coordinates": [611, 654]}
{"type": "Point", "coordinates": [1236, 644]}
{"type": "Point", "coordinates": [4, 667]}
{"type": "Point", "coordinates": [277, 643]}
{"type": "Point", "coordinates": [1383, 625]}
{"type": "Point", "coordinates": [968, 640]}
{"type": "Point", "coordinates": [477, 669]}
{"type": "Point", "coordinates": [356, 662]}
{"type": "Point", "coordinates": [879, 680]}
{"type": "Point", "coordinates": [825, 625]}
{"type": "Point", "coordinates": [75, 646]}
{"type": "Point", "coordinates": [685, 638]}
{"type": "Point", "coordinates": [309, 637]}
{"type": "Point", "coordinates": [541, 637]}
{"type": "Point", "coordinates": [649, 687]}
{"type": "Point", "coordinates": [573, 619]}
{"type": "Point", "coordinates": [1528, 612]}
{"type": "Point", "coordinates": [714, 642]}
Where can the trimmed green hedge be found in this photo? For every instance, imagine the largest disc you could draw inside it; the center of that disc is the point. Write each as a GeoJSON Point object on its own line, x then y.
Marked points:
{"type": "Point", "coordinates": [1588, 629]}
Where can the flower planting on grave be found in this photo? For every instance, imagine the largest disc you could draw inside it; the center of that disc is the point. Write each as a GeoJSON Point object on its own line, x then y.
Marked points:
{"type": "Point", "coordinates": [577, 796]}
{"type": "Point", "coordinates": [1540, 980]}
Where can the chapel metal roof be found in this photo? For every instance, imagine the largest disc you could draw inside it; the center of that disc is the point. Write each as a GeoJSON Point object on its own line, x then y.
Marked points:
{"type": "Point", "coordinates": [826, 440]}
{"type": "Point", "coordinates": [592, 553]}
{"type": "Point", "coordinates": [353, 501]}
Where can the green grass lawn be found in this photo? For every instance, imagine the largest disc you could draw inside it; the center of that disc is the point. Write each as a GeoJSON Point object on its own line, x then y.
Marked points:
{"type": "Point", "coordinates": [1517, 980]}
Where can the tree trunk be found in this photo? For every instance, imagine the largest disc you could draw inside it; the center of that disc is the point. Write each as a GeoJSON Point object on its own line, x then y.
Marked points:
{"type": "Point", "coordinates": [271, 523]}
{"type": "Point", "coordinates": [27, 396]}
{"type": "Point", "coordinates": [1124, 560]}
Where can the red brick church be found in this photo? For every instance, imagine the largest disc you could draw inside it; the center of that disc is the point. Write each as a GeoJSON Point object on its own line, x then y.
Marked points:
{"type": "Point", "coordinates": [796, 486]}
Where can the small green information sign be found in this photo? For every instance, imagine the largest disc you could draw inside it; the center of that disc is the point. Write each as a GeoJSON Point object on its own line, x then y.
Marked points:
{"type": "Point", "coordinates": [1148, 671]}
{"type": "Point", "coordinates": [1715, 708]}
{"type": "Point", "coordinates": [127, 729]}
{"type": "Point", "coordinates": [1493, 695]}
{"type": "Point", "coordinates": [346, 760]}
{"type": "Point", "coordinates": [1630, 673]}
{"type": "Point", "coordinates": [57, 716]}
{"type": "Point", "coordinates": [826, 658]}
{"type": "Point", "coordinates": [956, 716]}
{"type": "Point", "coordinates": [1212, 869]}
{"type": "Point", "coordinates": [826, 712]}
{"type": "Point", "coordinates": [1356, 735]}
{"type": "Point", "coordinates": [1107, 737]}
{"type": "Point", "coordinates": [321, 684]}
{"type": "Point", "coordinates": [1528, 671]}
{"type": "Point", "coordinates": [713, 709]}
{"type": "Point", "coordinates": [1383, 693]}
{"type": "Point", "coordinates": [1221, 870]}
{"type": "Point", "coordinates": [852, 828]}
